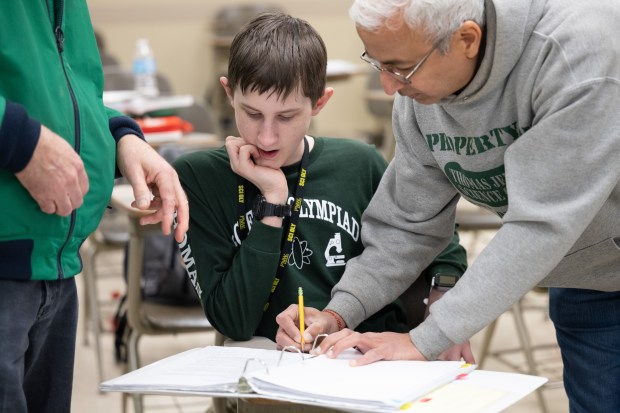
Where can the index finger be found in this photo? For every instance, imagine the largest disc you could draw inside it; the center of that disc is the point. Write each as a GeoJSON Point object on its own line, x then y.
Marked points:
{"type": "Point", "coordinates": [286, 320]}
{"type": "Point", "coordinates": [182, 215]}
{"type": "Point", "coordinates": [337, 342]}
{"type": "Point", "coordinates": [141, 191]}
{"type": "Point", "coordinates": [367, 358]}
{"type": "Point", "coordinates": [232, 145]}
{"type": "Point", "coordinates": [168, 195]}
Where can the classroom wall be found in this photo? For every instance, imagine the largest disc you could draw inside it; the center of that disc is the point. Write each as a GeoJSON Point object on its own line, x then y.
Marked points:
{"type": "Point", "coordinates": [181, 35]}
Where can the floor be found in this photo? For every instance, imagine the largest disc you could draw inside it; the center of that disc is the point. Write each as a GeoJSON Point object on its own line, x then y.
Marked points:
{"type": "Point", "coordinates": [87, 398]}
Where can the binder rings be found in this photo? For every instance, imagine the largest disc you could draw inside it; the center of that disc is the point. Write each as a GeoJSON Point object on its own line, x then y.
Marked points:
{"type": "Point", "coordinates": [385, 386]}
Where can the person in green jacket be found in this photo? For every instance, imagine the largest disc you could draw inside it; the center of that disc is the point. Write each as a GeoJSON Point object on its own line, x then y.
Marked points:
{"type": "Point", "coordinates": [60, 150]}
{"type": "Point", "coordinates": [277, 209]}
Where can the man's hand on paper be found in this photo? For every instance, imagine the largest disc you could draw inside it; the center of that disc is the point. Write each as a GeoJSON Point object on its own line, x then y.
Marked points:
{"type": "Point", "coordinates": [149, 173]}
{"type": "Point", "coordinates": [55, 176]}
{"type": "Point", "coordinates": [374, 346]}
{"type": "Point", "coordinates": [458, 351]}
{"type": "Point", "coordinates": [317, 322]}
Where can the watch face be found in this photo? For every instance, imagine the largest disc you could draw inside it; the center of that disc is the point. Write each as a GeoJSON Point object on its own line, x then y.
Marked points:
{"type": "Point", "coordinates": [446, 280]}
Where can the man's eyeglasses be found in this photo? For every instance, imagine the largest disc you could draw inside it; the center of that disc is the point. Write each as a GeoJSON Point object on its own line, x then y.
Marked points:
{"type": "Point", "coordinates": [390, 71]}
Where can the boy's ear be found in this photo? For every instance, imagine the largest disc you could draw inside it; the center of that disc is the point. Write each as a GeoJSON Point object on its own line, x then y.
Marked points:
{"type": "Point", "coordinates": [224, 83]}
{"type": "Point", "coordinates": [320, 104]}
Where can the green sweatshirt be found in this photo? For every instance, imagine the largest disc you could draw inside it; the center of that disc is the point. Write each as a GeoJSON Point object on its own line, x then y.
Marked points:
{"type": "Point", "coordinates": [234, 278]}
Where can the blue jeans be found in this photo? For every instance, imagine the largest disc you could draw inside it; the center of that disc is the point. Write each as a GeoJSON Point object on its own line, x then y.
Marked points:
{"type": "Point", "coordinates": [587, 326]}
{"type": "Point", "coordinates": [38, 321]}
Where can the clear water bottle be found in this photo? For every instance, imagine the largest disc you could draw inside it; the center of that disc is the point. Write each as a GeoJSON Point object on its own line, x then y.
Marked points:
{"type": "Point", "coordinates": [145, 69]}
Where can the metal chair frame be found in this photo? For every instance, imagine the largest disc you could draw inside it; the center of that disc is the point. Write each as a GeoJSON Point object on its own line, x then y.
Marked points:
{"type": "Point", "coordinates": [146, 318]}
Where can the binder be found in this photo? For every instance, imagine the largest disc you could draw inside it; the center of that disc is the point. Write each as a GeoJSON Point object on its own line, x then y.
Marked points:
{"type": "Point", "coordinates": [384, 386]}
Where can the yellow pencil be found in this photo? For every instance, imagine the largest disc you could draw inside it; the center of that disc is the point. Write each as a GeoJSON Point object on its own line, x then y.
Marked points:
{"type": "Point", "coordinates": [302, 323]}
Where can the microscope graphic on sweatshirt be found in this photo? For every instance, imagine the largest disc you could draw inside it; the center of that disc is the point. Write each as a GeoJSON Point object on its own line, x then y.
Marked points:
{"type": "Point", "coordinates": [334, 260]}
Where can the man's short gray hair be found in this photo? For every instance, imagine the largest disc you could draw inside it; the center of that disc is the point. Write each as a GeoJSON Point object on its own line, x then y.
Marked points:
{"type": "Point", "coordinates": [438, 18]}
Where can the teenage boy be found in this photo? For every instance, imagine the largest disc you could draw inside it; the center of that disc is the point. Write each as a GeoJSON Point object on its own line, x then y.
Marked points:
{"type": "Point", "coordinates": [277, 209]}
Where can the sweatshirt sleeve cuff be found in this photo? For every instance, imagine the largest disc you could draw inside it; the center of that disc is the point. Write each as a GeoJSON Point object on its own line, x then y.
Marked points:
{"type": "Point", "coordinates": [19, 135]}
{"type": "Point", "coordinates": [264, 238]}
{"type": "Point", "coordinates": [124, 125]}
{"type": "Point", "coordinates": [350, 308]}
{"type": "Point", "coordinates": [429, 339]}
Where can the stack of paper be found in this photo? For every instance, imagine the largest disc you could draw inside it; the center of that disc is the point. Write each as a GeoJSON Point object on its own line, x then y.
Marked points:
{"type": "Point", "coordinates": [385, 386]}
{"type": "Point", "coordinates": [380, 385]}
{"type": "Point", "coordinates": [210, 370]}
{"type": "Point", "coordinates": [131, 103]}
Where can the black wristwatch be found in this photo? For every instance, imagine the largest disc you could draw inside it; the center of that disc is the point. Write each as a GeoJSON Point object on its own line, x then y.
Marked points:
{"type": "Point", "coordinates": [262, 208]}
{"type": "Point", "coordinates": [443, 282]}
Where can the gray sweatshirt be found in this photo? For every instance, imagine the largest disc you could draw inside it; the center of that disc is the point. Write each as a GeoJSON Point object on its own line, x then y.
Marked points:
{"type": "Point", "coordinates": [534, 137]}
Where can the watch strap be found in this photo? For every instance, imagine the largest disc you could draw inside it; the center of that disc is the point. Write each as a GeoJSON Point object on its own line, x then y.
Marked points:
{"type": "Point", "coordinates": [262, 208]}
{"type": "Point", "coordinates": [275, 210]}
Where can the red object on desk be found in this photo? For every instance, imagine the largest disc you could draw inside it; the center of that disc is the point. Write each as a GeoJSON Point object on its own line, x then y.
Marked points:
{"type": "Point", "coordinates": [164, 124]}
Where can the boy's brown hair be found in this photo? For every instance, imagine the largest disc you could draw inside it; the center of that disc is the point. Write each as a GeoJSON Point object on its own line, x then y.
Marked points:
{"type": "Point", "coordinates": [278, 52]}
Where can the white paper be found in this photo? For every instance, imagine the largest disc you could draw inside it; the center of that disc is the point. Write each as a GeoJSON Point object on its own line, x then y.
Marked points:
{"type": "Point", "coordinates": [163, 137]}
{"type": "Point", "coordinates": [380, 387]}
{"type": "Point", "coordinates": [212, 368]}
{"type": "Point", "coordinates": [134, 104]}
{"type": "Point", "coordinates": [383, 384]}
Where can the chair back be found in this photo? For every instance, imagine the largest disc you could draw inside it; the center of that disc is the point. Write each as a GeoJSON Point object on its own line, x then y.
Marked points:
{"type": "Point", "coordinates": [378, 102]}
{"type": "Point", "coordinates": [201, 116]}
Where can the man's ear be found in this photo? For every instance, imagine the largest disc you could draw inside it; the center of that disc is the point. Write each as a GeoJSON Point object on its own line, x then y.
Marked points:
{"type": "Point", "coordinates": [227, 89]}
{"type": "Point", "coordinates": [470, 39]}
{"type": "Point", "coordinates": [320, 104]}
